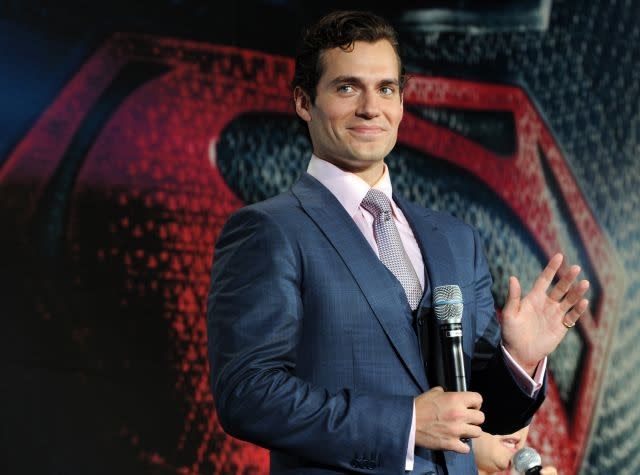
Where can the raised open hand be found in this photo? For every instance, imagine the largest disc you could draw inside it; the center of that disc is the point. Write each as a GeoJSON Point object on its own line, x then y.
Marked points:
{"type": "Point", "coordinates": [534, 325]}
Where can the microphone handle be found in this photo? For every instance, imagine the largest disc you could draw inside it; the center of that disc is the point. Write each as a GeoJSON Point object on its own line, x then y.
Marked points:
{"type": "Point", "coordinates": [453, 356]}
{"type": "Point", "coordinates": [533, 470]}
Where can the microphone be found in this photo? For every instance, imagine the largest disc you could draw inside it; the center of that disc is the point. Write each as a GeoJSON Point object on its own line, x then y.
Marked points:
{"type": "Point", "coordinates": [448, 306]}
{"type": "Point", "coordinates": [527, 461]}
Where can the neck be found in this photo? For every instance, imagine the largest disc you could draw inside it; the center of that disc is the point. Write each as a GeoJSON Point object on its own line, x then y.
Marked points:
{"type": "Point", "coordinates": [370, 172]}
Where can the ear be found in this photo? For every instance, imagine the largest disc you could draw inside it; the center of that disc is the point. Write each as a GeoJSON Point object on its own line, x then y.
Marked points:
{"type": "Point", "coordinates": [303, 104]}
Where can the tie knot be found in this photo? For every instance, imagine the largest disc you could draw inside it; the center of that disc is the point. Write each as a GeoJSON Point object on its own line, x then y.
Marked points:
{"type": "Point", "coordinates": [376, 203]}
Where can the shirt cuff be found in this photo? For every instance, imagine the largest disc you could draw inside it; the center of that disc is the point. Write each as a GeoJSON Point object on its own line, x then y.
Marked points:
{"type": "Point", "coordinates": [408, 464]}
{"type": "Point", "coordinates": [529, 385]}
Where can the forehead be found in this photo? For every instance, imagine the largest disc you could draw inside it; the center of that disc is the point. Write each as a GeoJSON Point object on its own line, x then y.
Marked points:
{"type": "Point", "coordinates": [362, 59]}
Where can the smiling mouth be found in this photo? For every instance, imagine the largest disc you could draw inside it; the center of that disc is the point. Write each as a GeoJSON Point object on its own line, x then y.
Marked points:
{"type": "Point", "coordinates": [367, 132]}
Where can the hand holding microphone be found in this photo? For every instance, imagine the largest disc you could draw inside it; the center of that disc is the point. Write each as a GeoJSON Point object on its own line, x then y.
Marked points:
{"type": "Point", "coordinates": [446, 419]}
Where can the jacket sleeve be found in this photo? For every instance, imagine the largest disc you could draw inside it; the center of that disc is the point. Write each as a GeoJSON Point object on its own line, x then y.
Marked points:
{"type": "Point", "coordinates": [506, 406]}
{"type": "Point", "coordinates": [254, 320]}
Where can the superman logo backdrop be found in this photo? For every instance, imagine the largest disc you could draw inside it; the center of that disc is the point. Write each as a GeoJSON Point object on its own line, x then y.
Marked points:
{"type": "Point", "coordinates": [114, 200]}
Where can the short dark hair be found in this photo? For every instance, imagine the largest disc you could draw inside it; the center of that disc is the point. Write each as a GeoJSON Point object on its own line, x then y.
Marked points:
{"type": "Point", "coordinates": [339, 29]}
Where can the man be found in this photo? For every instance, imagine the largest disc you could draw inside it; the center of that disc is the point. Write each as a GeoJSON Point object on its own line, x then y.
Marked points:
{"type": "Point", "coordinates": [311, 311]}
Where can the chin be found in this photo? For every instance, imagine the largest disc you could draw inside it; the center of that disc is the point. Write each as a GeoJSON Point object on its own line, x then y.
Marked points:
{"type": "Point", "coordinates": [502, 461]}
{"type": "Point", "coordinates": [370, 155]}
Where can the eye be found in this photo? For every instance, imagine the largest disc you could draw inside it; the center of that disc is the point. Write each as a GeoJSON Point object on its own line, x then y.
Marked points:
{"type": "Point", "coordinates": [345, 88]}
{"type": "Point", "coordinates": [387, 90]}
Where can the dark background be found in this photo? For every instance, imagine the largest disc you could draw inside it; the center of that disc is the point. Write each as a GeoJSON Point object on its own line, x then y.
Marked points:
{"type": "Point", "coordinates": [102, 356]}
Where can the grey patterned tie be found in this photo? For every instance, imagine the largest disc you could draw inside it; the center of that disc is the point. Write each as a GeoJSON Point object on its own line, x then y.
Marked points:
{"type": "Point", "coordinates": [390, 248]}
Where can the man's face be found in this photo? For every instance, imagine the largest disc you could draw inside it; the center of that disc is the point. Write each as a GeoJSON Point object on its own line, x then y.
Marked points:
{"type": "Point", "coordinates": [354, 121]}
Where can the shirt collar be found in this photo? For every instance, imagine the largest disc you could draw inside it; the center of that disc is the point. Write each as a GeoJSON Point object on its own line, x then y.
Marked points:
{"type": "Point", "coordinates": [349, 188]}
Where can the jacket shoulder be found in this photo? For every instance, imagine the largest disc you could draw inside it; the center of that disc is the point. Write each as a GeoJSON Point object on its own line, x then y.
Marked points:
{"type": "Point", "coordinates": [444, 220]}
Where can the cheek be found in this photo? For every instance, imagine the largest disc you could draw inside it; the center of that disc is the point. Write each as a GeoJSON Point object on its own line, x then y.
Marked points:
{"type": "Point", "coordinates": [333, 121]}
{"type": "Point", "coordinates": [398, 117]}
{"type": "Point", "coordinates": [393, 112]}
{"type": "Point", "coordinates": [332, 111]}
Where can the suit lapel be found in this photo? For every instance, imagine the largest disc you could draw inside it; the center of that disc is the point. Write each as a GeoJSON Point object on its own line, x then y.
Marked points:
{"type": "Point", "coordinates": [378, 287]}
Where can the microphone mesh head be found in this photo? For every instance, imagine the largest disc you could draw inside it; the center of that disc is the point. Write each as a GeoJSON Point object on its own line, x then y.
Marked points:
{"type": "Point", "coordinates": [526, 458]}
{"type": "Point", "coordinates": [447, 303]}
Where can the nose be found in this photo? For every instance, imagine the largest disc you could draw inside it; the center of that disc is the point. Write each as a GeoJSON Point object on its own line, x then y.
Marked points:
{"type": "Point", "coordinates": [368, 106]}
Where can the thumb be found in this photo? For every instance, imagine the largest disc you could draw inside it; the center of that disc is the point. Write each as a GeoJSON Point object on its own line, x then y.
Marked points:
{"type": "Point", "coordinates": [512, 304]}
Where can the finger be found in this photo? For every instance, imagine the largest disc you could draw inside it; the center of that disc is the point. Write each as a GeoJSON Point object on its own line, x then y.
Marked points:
{"type": "Point", "coordinates": [456, 445]}
{"type": "Point", "coordinates": [564, 284]}
{"type": "Point", "coordinates": [544, 280]}
{"type": "Point", "coordinates": [470, 399]}
{"type": "Point", "coordinates": [576, 312]}
{"type": "Point", "coordinates": [512, 303]}
{"type": "Point", "coordinates": [474, 400]}
{"type": "Point", "coordinates": [476, 418]}
{"type": "Point", "coordinates": [470, 431]}
{"type": "Point", "coordinates": [574, 295]}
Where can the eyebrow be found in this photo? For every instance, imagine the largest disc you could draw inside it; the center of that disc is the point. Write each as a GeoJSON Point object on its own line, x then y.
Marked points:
{"type": "Point", "coordinates": [357, 80]}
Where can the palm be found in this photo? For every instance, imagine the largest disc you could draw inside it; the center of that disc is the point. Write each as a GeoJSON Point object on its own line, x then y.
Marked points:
{"type": "Point", "coordinates": [532, 326]}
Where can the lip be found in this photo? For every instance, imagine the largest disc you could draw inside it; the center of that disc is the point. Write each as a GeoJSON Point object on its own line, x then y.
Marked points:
{"type": "Point", "coordinates": [366, 130]}
{"type": "Point", "coordinates": [510, 443]}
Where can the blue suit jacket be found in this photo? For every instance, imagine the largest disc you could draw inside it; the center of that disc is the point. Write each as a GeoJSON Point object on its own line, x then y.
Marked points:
{"type": "Point", "coordinates": [312, 348]}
